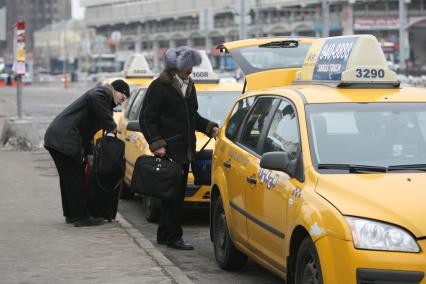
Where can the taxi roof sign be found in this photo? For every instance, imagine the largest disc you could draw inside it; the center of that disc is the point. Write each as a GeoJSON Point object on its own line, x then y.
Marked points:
{"type": "Point", "coordinates": [136, 66]}
{"type": "Point", "coordinates": [204, 72]}
{"type": "Point", "coordinates": [346, 60]}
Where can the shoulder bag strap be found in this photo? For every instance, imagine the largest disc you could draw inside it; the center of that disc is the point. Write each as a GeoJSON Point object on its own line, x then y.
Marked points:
{"type": "Point", "coordinates": [208, 141]}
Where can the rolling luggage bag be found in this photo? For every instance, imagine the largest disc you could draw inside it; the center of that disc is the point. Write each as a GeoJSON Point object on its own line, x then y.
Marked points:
{"type": "Point", "coordinates": [100, 203]}
{"type": "Point", "coordinates": [104, 175]}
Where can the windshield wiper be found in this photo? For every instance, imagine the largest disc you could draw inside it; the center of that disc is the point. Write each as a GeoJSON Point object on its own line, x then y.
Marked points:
{"type": "Point", "coordinates": [353, 168]}
{"type": "Point", "coordinates": [416, 167]}
{"type": "Point", "coordinates": [281, 44]}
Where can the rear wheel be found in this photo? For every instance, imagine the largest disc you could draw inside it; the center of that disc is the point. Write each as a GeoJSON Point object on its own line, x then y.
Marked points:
{"type": "Point", "coordinates": [308, 267]}
{"type": "Point", "coordinates": [151, 208]}
{"type": "Point", "coordinates": [125, 192]}
{"type": "Point", "coordinates": [227, 256]}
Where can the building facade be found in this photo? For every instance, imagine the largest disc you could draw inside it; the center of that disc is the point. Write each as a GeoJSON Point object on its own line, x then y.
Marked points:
{"type": "Point", "coordinates": [68, 41]}
{"type": "Point", "coordinates": [36, 14]}
{"type": "Point", "coordinates": [151, 26]}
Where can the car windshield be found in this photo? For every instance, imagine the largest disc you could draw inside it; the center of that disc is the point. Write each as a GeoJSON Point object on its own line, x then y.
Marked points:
{"type": "Point", "coordinates": [215, 105]}
{"type": "Point", "coordinates": [370, 134]}
{"type": "Point", "coordinates": [255, 59]}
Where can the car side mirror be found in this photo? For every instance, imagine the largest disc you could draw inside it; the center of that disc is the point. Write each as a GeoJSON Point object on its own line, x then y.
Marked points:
{"type": "Point", "coordinates": [279, 161]}
{"type": "Point", "coordinates": [133, 125]}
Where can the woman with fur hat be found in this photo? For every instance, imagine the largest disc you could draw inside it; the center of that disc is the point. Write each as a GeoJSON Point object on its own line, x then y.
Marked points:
{"type": "Point", "coordinates": [168, 120]}
{"type": "Point", "coordinates": [70, 135]}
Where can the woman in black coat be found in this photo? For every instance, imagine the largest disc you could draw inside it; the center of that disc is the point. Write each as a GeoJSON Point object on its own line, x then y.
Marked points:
{"type": "Point", "coordinates": [70, 136]}
{"type": "Point", "coordinates": [168, 120]}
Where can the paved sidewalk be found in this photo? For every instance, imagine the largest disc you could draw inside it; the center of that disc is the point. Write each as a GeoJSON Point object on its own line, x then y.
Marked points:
{"type": "Point", "coordinates": [36, 246]}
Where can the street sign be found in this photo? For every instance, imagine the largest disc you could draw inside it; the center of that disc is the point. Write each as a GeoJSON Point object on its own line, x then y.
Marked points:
{"type": "Point", "coordinates": [19, 61]}
{"type": "Point", "coordinates": [19, 47]}
{"type": "Point", "coordinates": [116, 37]}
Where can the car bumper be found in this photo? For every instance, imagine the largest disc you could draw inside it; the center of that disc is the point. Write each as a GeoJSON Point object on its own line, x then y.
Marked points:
{"type": "Point", "coordinates": [342, 263]}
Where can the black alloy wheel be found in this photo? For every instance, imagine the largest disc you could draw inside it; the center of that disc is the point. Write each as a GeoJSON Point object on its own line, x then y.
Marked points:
{"type": "Point", "coordinates": [227, 256]}
{"type": "Point", "coordinates": [308, 267]}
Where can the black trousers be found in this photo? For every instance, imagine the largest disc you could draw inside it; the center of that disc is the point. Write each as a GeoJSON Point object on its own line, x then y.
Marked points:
{"type": "Point", "coordinates": [71, 180]}
{"type": "Point", "coordinates": [169, 229]}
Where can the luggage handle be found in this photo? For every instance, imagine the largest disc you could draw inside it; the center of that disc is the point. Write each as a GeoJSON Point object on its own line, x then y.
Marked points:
{"type": "Point", "coordinates": [105, 133]}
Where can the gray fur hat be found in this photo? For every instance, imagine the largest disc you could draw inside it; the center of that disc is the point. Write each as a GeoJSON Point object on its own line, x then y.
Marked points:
{"type": "Point", "coordinates": [181, 58]}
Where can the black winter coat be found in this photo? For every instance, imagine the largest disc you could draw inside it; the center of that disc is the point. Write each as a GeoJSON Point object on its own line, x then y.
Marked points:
{"type": "Point", "coordinates": [169, 119]}
{"type": "Point", "coordinates": [72, 131]}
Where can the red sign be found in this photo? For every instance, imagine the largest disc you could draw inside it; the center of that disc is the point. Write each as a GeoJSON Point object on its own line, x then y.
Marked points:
{"type": "Point", "coordinates": [376, 23]}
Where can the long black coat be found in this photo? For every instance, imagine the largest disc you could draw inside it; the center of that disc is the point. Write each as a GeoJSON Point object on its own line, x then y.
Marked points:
{"type": "Point", "coordinates": [72, 131]}
{"type": "Point", "coordinates": [169, 119]}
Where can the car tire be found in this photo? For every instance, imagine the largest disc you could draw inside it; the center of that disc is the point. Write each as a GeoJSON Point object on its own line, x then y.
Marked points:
{"type": "Point", "coordinates": [152, 211]}
{"type": "Point", "coordinates": [227, 256]}
{"type": "Point", "coordinates": [308, 266]}
{"type": "Point", "coordinates": [125, 192]}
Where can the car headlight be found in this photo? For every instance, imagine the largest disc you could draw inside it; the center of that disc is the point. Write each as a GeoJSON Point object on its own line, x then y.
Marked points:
{"type": "Point", "coordinates": [368, 234]}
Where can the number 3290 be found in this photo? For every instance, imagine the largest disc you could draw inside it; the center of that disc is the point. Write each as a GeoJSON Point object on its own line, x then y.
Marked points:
{"type": "Point", "coordinates": [370, 73]}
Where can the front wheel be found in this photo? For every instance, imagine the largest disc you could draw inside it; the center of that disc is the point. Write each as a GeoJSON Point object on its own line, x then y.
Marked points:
{"type": "Point", "coordinates": [151, 208]}
{"type": "Point", "coordinates": [227, 256]}
{"type": "Point", "coordinates": [308, 267]}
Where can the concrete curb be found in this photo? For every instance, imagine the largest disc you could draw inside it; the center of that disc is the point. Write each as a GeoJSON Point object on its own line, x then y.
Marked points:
{"type": "Point", "coordinates": [172, 270]}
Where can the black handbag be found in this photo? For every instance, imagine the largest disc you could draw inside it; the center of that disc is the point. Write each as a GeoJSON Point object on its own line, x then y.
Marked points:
{"type": "Point", "coordinates": [202, 166]}
{"type": "Point", "coordinates": [109, 163]}
{"type": "Point", "coordinates": [157, 177]}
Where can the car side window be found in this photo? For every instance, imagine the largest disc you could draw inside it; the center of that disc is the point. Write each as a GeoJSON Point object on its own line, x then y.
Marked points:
{"type": "Point", "coordinates": [133, 95]}
{"type": "Point", "coordinates": [283, 135]}
{"type": "Point", "coordinates": [238, 113]}
{"type": "Point", "coordinates": [136, 106]}
{"type": "Point", "coordinates": [256, 122]}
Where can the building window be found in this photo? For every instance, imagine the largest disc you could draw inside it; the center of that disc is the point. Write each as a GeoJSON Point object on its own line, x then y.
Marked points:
{"type": "Point", "coordinates": [199, 41]}
{"type": "Point", "coordinates": [147, 45]}
{"type": "Point", "coordinates": [218, 40]}
{"type": "Point", "coordinates": [180, 42]}
{"type": "Point", "coordinates": [163, 44]}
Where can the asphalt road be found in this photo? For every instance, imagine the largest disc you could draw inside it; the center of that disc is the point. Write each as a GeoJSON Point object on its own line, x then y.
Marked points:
{"type": "Point", "coordinates": [45, 100]}
{"type": "Point", "coordinates": [199, 265]}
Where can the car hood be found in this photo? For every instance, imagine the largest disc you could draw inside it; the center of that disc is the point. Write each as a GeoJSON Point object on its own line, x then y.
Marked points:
{"type": "Point", "coordinates": [397, 198]}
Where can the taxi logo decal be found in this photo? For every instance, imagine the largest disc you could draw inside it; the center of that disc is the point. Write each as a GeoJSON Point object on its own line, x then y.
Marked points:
{"type": "Point", "coordinates": [297, 192]}
{"type": "Point", "coordinates": [238, 158]}
{"type": "Point", "coordinates": [266, 175]}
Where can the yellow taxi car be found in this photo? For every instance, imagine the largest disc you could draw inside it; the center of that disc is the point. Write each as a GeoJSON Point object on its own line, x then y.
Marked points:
{"type": "Point", "coordinates": [323, 180]}
{"type": "Point", "coordinates": [214, 101]}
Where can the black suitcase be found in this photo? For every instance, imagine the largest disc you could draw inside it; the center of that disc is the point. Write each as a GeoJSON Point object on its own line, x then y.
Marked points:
{"type": "Point", "coordinates": [101, 203]}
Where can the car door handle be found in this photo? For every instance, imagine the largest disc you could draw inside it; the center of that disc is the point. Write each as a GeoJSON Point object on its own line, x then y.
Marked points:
{"type": "Point", "coordinates": [227, 164]}
{"type": "Point", "coordinates": [251, 180]}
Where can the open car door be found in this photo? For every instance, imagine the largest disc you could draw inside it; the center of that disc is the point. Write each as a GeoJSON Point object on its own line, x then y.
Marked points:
{"type": "Point", "coordinates": [268, 62]}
